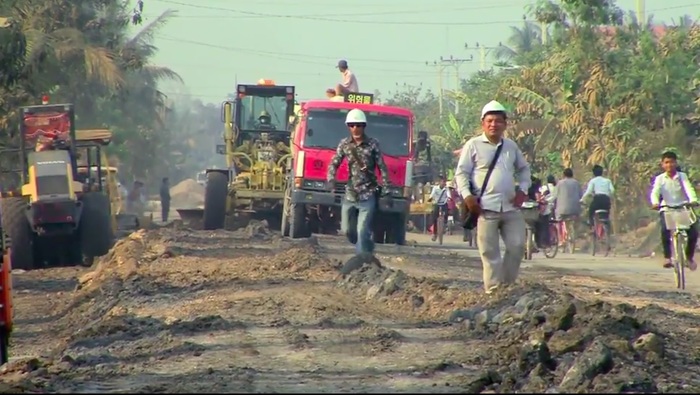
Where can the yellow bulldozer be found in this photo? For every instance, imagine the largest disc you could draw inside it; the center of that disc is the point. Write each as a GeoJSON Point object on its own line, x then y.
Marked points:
{"type": "Point", "coordinates": [257, 151]}
{"type": "Point", "coordinates": [95, 170]}
{"type": "Point", "coordinates": [50, 215]}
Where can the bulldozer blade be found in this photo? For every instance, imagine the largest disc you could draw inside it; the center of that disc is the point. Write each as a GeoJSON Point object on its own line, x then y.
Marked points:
{"type": "Point", "coordinates": [190, 214]}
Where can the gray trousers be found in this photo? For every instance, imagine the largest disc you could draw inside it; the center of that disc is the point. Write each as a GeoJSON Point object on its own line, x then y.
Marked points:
{"type": "Point", "coordinates": [492, 226]}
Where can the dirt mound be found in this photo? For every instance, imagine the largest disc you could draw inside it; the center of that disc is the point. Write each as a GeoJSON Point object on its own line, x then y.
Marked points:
{"type": "Point", "coordinates": [187, 193]}
{"type": "Point", "coordinates": [424, 298]}
{"type": "Point", "coordinates": [542, 340]}
{"type": "Point", "coordinates": [547, 341]}
{"type": "Point", "coordinates": [125, 257]}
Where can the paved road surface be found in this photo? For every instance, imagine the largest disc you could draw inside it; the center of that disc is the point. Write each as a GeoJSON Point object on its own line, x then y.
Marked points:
{"type": "Point", "coordinates": [642, 273]}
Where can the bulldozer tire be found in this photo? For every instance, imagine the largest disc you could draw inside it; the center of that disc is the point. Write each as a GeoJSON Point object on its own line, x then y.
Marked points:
{"type": "Point", "coordinates": [215, 194]}
{"type": "Point", "coordinates": [95, 228]}
{"type": "Point", "coordinates": [15, 224]}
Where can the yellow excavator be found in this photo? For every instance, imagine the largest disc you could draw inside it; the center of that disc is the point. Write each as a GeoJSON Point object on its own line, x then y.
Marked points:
{"type": "Point", "coordinates": [257, 151]}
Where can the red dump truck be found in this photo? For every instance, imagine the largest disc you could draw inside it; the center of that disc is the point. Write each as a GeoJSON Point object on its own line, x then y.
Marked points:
{"type": "Point", "coordinates": [319, 127]}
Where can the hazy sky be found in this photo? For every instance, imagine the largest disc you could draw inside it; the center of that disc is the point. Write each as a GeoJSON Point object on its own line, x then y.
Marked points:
{"type": "Point", "coordinates": [214, 43]}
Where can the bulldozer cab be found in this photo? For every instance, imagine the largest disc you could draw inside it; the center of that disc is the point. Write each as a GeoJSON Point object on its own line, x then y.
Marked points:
{"type": "Point", "coordinates": [91, 159]}
{"type": "Point", "coordinates": [94, 170]}
{"type": "Point", "coordinates": [50, 126]}
{"type": "Point", "coordinates": [263, 109]}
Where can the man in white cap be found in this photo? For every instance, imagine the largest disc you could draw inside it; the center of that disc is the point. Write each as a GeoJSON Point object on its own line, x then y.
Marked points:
{"type": "Point", "coordinates": [349, 84]}
{"type": "Point", "coordinates": [495, 195]}
{"type": "Point", "coordinates": [363, 155]}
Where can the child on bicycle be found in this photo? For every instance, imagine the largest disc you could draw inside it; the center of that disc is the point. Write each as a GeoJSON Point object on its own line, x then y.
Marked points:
{"type": "Point", "coordinates": [674, 188]}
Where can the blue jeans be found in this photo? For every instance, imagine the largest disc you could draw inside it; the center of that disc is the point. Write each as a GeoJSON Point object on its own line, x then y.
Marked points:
{"type": "Point", "coordinates": [365, 214]}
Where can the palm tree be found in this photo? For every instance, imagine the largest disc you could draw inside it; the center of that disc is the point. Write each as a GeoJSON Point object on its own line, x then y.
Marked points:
{"type": "Point", "coordinates": [522, 40]}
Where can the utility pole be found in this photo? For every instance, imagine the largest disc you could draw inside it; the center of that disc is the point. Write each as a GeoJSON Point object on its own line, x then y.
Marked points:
{"type": "Point", "coordinates": [483, 51]}
{"type": "Point", "coordinates": [440, 66]}
{"type": "Point", "coordinates": [641, 12]}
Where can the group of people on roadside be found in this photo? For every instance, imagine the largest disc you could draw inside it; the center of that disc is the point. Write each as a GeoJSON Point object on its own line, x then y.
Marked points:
{"type": "Point", "coordinates": [492, 180]}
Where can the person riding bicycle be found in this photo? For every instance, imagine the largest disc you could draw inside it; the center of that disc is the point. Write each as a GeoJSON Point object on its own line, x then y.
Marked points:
{"type": "Point", "coordinates": [602, 190]}
{"type": "Point", "coordinates": [566, 201]}
{"type": "Point", "coordinates": [674, 188]}
{"type": "Point", "coordinates": [547, 193]}
{"type": "Point", "coordinates": [439, 196]}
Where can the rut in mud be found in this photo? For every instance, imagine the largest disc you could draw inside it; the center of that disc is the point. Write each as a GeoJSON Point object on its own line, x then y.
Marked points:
{"type": "Point", "coordinates": [176, 310]}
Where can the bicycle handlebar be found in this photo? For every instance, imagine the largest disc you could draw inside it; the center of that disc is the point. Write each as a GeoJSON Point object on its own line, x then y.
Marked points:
{"type": "Point", "coordinates": [678, 207]}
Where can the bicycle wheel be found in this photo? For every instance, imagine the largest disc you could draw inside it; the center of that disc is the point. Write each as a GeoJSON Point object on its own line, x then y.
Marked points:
{"type": "Point", "coordinates": [679, 261]}
{"type": "Point", "coordinates": [551, 251]}
{"type": "Point", "coordinates": [570, 236]}
{"type": "Point", "coordinates": [594, 237]}
{"type": "Point", "coordinates": [440, 229]}
{"type": "Point", "coordinates": [528, 243]}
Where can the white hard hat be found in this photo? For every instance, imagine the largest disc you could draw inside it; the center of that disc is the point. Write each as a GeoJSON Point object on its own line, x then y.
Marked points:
{"type": "Point", "coordinates": [492, 106]}
{"type": "Point", "coordinates": [355, 116]}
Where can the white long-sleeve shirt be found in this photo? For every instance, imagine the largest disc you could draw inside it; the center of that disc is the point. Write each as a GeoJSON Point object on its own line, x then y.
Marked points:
{"type": "Point", "coordinates": [599, 186]}
{"type": "Point", "coordinates": [473, 164]}
{"type": "Point", "coordinates": [674, 190]}
{"type": "Point", "coordinates": [439, 195]}
{"type": "Point", "coordinates": [550, 198]}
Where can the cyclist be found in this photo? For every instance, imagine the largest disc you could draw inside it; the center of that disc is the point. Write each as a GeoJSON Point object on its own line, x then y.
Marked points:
{"type": "Point", "coordinates": [674, 188]}
{"type": "Point", "coordinates": [567, 196]}
{"type": "Point", "coordinates": [439, 196]}
{"type": "Point", "coordinates": [533, 194]}
{"type": "Point", "coordinates": [547, 194]}
{"type": "Point", "coordinates": [602, 190]}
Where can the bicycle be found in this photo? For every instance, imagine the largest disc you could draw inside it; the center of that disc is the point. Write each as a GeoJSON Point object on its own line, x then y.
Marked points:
{"type": "Point", "coordinates": [567, 224]}
{"type": "Point", "coordinates": [679, 219]}
{"type": "Point", "coordinates": [601, 231]}
{"type": "Point", "coordinates": [441, 223]}
{"type": "Point", "coordinates": [531, 215]}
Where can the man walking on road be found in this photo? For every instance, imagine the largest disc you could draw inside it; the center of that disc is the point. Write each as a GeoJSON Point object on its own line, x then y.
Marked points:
{"type": "Point", "coordinates": [486, 175]}
{"type": "Point", "coordinates": [165, 199]}
{"type": "Point", "coordinates": [363, 155]}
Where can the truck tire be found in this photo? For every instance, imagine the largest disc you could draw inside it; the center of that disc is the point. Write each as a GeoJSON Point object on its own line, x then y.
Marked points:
{"type": "Point", "coordinates": [298, 227]}
{"type": "Point", "coordinates": [351, 233]}
{"type": "Point", "coordinates": [95, 228]}
{"type": "Point", "coordinates": [215, 194]}
{"type": "Point", "coordinates": [15, 224]}
{"type": "Point", "coordinates": [399, 229]}
{"type": "Point", "coordinates": [380, 224]}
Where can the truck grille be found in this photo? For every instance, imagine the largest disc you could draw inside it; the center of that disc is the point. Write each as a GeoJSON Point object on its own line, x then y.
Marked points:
{"type": "Point", "coordinates": [340, 187]}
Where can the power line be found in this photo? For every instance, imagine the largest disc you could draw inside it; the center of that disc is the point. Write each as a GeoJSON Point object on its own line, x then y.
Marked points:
{"type": "Point", "coordinates": [251, 14]}
{"type": "Point", "coordinates": [276, 53]}
{"type": "Point", "coordinates": [337, 20]}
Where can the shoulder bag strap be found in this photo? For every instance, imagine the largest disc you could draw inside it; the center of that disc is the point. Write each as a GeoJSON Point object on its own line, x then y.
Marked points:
{"type": "Point", "coordinates": [356, 157]}
{"type": "Point", "coordinates": [491, 167]}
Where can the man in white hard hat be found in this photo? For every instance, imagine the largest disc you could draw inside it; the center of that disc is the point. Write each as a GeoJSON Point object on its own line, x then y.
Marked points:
{"type": "Point", "coordinates": [495, 199]}
{"type": "Point", "coordinates": [364, 156]}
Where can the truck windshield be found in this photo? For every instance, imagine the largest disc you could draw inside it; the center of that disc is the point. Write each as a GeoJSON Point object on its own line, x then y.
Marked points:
{"type": "Point", "coordinates": [325, 129]}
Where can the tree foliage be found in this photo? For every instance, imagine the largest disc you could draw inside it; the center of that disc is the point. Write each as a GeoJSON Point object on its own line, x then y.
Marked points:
{"type": "Point", "coordinates": [603, 90]}
{"type": "Point", "coordinates": [82, 52]}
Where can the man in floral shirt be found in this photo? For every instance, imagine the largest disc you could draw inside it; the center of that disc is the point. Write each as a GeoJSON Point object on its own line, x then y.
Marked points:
{"type": "Point", "coordinates": [364, 156]}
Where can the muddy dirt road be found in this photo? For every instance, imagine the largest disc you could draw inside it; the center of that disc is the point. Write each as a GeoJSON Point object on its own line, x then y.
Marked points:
{"type": "Point", "coordinates": [176, 310]}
